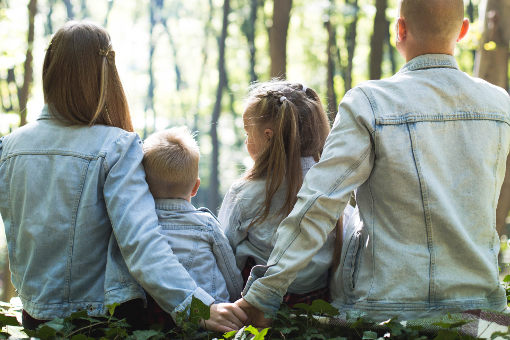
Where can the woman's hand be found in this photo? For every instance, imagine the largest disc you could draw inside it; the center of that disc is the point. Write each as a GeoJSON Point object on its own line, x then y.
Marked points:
{"type": "Point", "coordinates": [256, 317]}
{"type": "Point", "coordinates": [225, 317]}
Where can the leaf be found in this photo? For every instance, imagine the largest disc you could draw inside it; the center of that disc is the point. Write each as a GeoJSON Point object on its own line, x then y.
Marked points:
{"type": "Point", "coordinates": [506, 279]}
{"type": "Point", "coordinates": [112, 307]}
{"type": "Point", "coordinates": [199, 311]}
{"type": "Point", "coordinates": [262, 334]}
{"type": "Point", "coordinates": [369, 335]}
{"type": "Point", "coordinates": [80, 337]}
{"type": "Point", "coordinates": [323, 307]}
{"type": "Point", "coordinates": [57, 324]}
{"type": "Point", "coordinates": [6, 320]}
{"type": "Point", "coordinates": [251, 330]}
{"type": "Point", "coordinates": [302, 306]}
{"type": "Point", "coordinates": [45, 332]}
{"type": "Point", "coordinates": [288, 330]}
{"type": "Point", "coordinates": [146, 334]}
{"type": "Point", "coordinates": [229, 334]}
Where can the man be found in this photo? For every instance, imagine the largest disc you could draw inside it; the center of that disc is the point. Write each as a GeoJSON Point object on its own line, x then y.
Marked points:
{"type": "Point", "coordinates": [426, 151]}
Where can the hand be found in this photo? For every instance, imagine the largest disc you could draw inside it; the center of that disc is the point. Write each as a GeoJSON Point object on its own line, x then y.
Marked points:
{"type": "Point", "coordinates": [256, 317]}
{"type": "Point", "coordinates": [225, 317]}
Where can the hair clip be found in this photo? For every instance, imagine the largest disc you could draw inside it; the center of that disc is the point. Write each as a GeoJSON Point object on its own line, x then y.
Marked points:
{"type": "Point", "coordinates": [105, 51]}
{"type": "Point", "coordinates": [282, 99]}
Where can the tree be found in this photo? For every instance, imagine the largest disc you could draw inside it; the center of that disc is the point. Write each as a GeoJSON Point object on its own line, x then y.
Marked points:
{"type": "Point", "coordinates": [214, 197]}
{"type": "Point", "coordinates": [381, 32]}
{"type": "Point", "coordinates": [350, 41]}
{"type": "Point", "coordinates": [332, 52]}
{"type": "Point", "coordinates": [248, 29]}
{"type": "Point", "coordinates": [492, 65]}
{"type": "Point", "coordinates": [278, 37]}
{"type": "Point", "coordinates": [24, 91]}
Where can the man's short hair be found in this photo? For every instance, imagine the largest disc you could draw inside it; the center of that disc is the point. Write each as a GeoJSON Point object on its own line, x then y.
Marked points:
{"type": "Point", "coordinates": [171, 162]}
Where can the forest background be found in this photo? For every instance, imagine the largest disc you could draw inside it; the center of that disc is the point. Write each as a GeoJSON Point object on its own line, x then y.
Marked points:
{"type": "Point", "coordinates": [191, 63]}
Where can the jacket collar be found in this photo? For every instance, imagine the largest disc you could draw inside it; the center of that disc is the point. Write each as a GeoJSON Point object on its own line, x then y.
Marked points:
{"type": "Point", "coordinates": [430, 61]}
{"type": "Point", "coordinates": [173, 204]}
{"type": "Point", "coordinates": [45, 113]}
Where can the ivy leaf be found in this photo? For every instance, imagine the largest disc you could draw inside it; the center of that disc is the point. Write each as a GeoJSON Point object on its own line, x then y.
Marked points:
{"type": "Point", "coordinates": [506, 279]}
{"type": "Point", "coordinates": [146, 334]}
{"type": "Point", "coordinates": [199, 311]}
{"type": "Point", "coordinates": [229, 334]}
{"type": "Point", "coordinates": [6, 320]}
{"type": "Point", "coordinates": [45, 332]}
{"type": "Point", "coordinates": [322, 307]}
{"type": "Point", "coordinates": [80, 337]}
{"type": "Point", "coordinates": [369, 335]}
{"type": "Point", "coordinates": [262, 334]}
{"type": "Point", "coordinates": [111, 308]}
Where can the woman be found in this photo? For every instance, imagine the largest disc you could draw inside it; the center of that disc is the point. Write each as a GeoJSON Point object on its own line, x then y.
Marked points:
{"type": "Point", "coordinates": [80, 222]}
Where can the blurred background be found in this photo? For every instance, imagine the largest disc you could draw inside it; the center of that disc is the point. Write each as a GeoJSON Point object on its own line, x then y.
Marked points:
{"type": "Point", "coordinates": [191, 62]}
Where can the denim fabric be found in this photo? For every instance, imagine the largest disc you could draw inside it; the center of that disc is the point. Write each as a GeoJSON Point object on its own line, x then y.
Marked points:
{"type": "Point", "coordinates": [77, 214]}
{"type": "Point", "coordinates": [426, 149]}
{"type": "Point", "coordinates": [202, 248]}
{"type": "Point", "coordinates": [241, 205]}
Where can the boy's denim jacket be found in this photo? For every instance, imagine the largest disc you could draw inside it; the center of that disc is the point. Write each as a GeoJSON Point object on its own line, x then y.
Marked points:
{"type": "Point", "coordinates": [426, 149]}
{"type": "Point", "coordinates": [77, 214]}
{"type": "Point", "coordinates": [202, 248]}
{"type": "Point", "coordinates": [242, 204]}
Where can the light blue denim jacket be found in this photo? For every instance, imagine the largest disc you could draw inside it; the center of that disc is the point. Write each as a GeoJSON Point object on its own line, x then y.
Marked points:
{"type": "Point", "coordinates": [241, 205]}
{"type": "Point", "coordinates": [202, 248]}
{"type": "Point", "coordinates": [426, 149]}
{"type": "Point", "coordinates": [77, 214]}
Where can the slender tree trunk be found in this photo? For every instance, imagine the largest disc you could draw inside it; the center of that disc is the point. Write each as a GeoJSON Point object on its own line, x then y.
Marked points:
{"type": "Point", "coordinates": [48, 28]}
{"type": "Point", "coordinates": [492, 65]}
{"type": "Point", "coordinates": [24, 91]}
{"type": "Point", "coordinates": [207, 32]}
{"type": "Point", "coordinates": [108, 11]}
{"type": "Point", "coordinates": [249, 32]}
{"type": "Point", "coordinates": [378, 38]}
{"type": "Point", "coordinates": [214, 197]}
{"type": "Point", "coordinates": [350, 37]}
{"type": "Point", "coordinates": [84, 12]}
{"type": "Point", "coordinates": [331, 53]}
{"type": "Point", "coordinates": [70, 9]}
{"type": "Point", "coordinates": [149, 102]}
{"type": "Point", "coordinates": [278, 37]}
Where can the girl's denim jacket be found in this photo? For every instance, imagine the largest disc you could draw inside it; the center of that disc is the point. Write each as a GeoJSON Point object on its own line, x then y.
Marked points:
{"type": "Point", "coordinates": [427, 150]}
{"type": "Point", "coordinates": [242, 204]}
{"type": "Point", "coordinates": [81, 224]}
{"type": "Point", "coordinates": [202, 248]}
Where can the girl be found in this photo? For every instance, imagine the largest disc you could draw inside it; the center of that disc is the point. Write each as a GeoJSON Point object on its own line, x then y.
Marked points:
{"type": "Point", "coordinates": [81, 226]}
{"type": "Point", "coordinates": [286, 128]}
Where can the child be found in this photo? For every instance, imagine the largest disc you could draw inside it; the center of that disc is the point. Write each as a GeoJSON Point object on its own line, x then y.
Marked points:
{"type": "Point", "coordinates": [286, 127]}
{"type": "Point", "coordinates": [171, 164]}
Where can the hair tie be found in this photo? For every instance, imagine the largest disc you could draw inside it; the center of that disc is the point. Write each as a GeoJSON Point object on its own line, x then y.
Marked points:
{"type": "Point", "coordinates": [304, 88]}
{"type": "Point", "coordinates": [282, 99]}
{"type": "Point", "coordinates": [105, 51]}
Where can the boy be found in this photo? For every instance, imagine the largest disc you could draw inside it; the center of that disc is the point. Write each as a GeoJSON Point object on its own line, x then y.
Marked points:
{"type": "Point", "coordinates": [171, 165]}
{"type": "Point", "coordinates": [426, 150]}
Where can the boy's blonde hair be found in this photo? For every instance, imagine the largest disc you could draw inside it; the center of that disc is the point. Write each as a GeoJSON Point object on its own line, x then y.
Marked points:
{"type": "Point", "coordinates": [171, 162]}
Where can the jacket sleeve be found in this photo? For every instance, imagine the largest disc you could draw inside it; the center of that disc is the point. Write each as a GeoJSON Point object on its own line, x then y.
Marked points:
{"type": "Point", "coordinates": [230, 218]}
{"type": "Point", "coordinates": [345, 164]}
{"type": "Point", "coordinates": [226, 262]}
{"type": "Point", "coordinates": [131, 209]}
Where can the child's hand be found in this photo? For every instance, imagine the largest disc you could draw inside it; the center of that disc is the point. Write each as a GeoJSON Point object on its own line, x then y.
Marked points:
{"type": "Point", "coordinates": [256, 317]}
{"type": "Point", "coordinates": [225, 317]}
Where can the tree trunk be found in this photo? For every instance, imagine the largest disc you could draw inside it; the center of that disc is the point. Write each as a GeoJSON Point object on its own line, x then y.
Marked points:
{"type": "Point", "coordinates": [70, 9]}
{"type": "Point", "coordinates": [350, 38]}
{"type": "Point", "coordinates": [378, 38]}
{"type": "Point", "coordinates": [492, 65]}
{"type": "Point", "coordinates": [48, 28]}
{"type": "Point", "coordinates": [108, 11]}
{"type": "Point", "coordinates": [24, 91]}
{"type": "Point", "coordinates": [278, 37]}
{"type": "Point", "coordinates": [249, 31]}
{"type": "Point", "coordinates": [149, 102]}
{"type": "Point", "coordinates": [331, 53]}
{"type": "Point", "coordinates": [214, 197]}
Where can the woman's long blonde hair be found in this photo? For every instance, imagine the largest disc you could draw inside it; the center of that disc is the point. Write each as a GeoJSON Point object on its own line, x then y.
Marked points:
{"type": "Point", "coordinates": [80, 81]}
{"type": "Point", "coordinates": [300, 127]}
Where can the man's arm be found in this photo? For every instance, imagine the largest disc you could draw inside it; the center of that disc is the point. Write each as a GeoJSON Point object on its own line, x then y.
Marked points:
{"type": "Point", "coordinates": [345, 164]}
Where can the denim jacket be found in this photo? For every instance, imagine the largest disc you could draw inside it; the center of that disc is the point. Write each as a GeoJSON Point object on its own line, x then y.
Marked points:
{"type": "Point", "coordinates": [426, 149]}
{"type": "Point", "coordinates": [78, 215]}
{"type": "Point", "coordinates": [200, 245]}
{"type": "Point", "coordinates": [241, 205]}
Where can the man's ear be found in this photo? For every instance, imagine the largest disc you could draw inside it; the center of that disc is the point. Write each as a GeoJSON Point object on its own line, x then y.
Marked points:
{"type": "Point", "coordinates": [195, 188]}
{"type": "Point", "coordinates": [464, 29]}
{"type": "Point", "coordinates": [401, 29]}
{"type": "Point", "coordinates": [268, 133]}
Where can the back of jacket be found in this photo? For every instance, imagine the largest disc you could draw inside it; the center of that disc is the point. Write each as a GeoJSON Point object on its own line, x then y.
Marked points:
{"type": "Point", "coordinates": [427, 150]}
{"type": "Point", "coordinates": [70, 196]}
